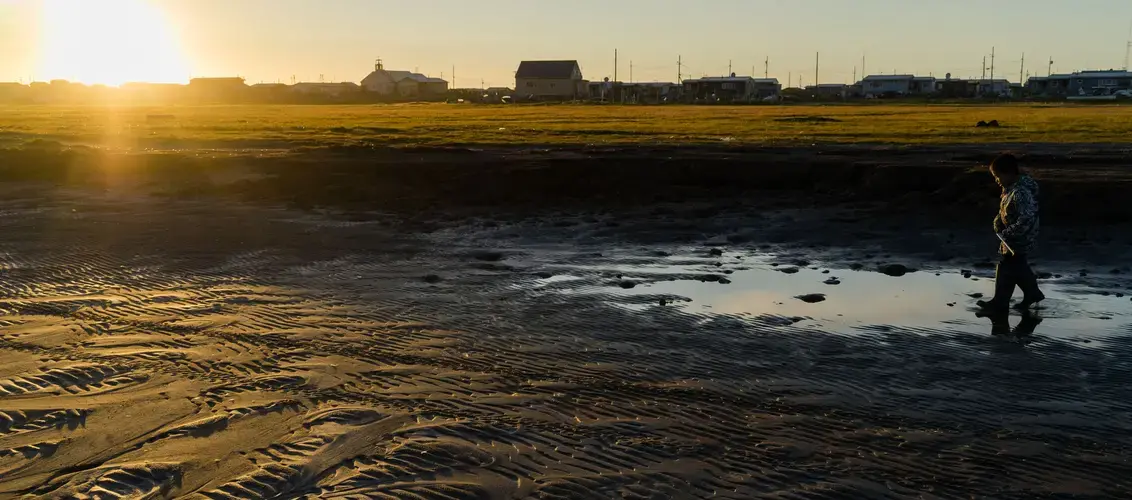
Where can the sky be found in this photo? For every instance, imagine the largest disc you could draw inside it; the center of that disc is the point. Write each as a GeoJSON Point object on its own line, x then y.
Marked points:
{"type": "Point", "coordinates": [113, 41]}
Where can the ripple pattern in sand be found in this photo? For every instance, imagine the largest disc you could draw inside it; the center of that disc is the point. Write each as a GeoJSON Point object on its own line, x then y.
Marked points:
{"type": "Point", "coordinates": [263, 375]}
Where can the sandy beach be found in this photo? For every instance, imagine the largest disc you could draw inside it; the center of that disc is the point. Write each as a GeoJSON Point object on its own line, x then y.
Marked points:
{"type": "Point", "coordinates": [518, 332]}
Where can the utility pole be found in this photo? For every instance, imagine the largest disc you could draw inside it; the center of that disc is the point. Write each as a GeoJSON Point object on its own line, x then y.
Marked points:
{"type": "Point", "coordinates": [729, 67]}
{"type": "Point", "coordinates": [854, 74]}
{"type": "Point", "coordinates": [863, 73]}
{"type": "Point", "coordinates": [679, 70]}
{"type": "Point", "coordinates": [817, 65]}
{"type": "Point", "coordinates": [766, 67]}
{"type": "Point", "coordinates": [1049, 69]}
{"type": "Point", "coordinates": [1022, 69]}
{"type": "Point", "coordinates": [453, 76]}
{"type": "Point", "coordinates": [630, 71]}
{"type": "Point", "coordinates": [614, 65]}
{"type": "Point", "coordinates": [1128, 47]}
{"type": "Point", "coordinates": [992, 64]}
{"type": "Point", "coordinates": [984, 68]}
{"type": "Point", "coordinates": [789, 79]}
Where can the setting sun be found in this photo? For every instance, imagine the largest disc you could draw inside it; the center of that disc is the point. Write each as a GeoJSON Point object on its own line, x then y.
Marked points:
{"type": "Point", "coordinates": [109, 42]}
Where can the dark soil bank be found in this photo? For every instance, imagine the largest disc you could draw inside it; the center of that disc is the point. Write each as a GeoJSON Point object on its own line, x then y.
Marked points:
{"type": "Point", "coordinates": [1079, 183]}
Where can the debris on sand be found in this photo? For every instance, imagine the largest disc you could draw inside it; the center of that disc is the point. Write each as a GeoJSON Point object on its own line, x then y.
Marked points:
{"type": "Point", "coordinates": [832, 281]}
{"type": "Point", "coordinates": [807, 119]}
{"type": "Point", "coordinates": [715, 252]}
{"type": "Point", "coordinates": [710, 278]}
{"type": "Point", "coordinates": [975, 295]}
{"type": "Point", "coordinates": [626, 284]}
{"type": "Point", "coordinates": [895, 270]}
{"type": "Point", "coordinates": [1120, 295]}
{"type": "Point", "coordinates": [966, 273]}
{"type": "Point", "coordinates": [432, 278]}
{"type": "Point", "coordinates": [950, 304]}
{"type": "Point", "coordinates": [545, 275]}
{"type": "Point", "coordinates": [724, 281]}
{"type": "Point", "coordinates": [787, 270]}
{"type": "Point", "coordinates": [811, 298]}
{"type": "Point", "coordinates": [490, 266]}
{"type": "Point", "coordinates": [487, 255]}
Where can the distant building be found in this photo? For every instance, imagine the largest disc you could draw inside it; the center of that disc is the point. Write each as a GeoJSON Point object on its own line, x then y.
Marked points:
{"type": "Point", "coordinates": [902, 85]}
{"type": "Point", "coordinates": [731, 88]}
{"type": "Point", "coordinates": [879, 85]}
{"type": "Point", "coordinates": [1080, 83]}
{"type": "Point", "coordinates": [12, 90]}
{"type": "Point", "coordinates": [224, 83]}
{"type": "Point", "coordinates": [402, 83]}
{"type": "Point", "coordinates": [996, 87]}
{"type": "Point", "coordinates": [549, 80]}
{"type": "Point", "coordinates": [326, 89]}
{"type": "Point", "coordinates": [957, 89]}
{"type": "Point", "coordinates": [828, 91]}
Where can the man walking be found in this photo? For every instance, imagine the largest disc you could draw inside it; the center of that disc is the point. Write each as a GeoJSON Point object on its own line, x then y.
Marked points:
{"type": "Point", "coordinates": [1017, 228]}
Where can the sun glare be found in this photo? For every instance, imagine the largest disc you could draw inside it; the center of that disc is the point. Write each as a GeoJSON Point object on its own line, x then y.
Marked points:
{"type": "Point", "coordinates": [110, 42]}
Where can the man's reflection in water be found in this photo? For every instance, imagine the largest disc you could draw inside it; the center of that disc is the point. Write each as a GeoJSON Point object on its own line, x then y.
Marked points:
{"type": "Point", "coordinates": [1000, 324]}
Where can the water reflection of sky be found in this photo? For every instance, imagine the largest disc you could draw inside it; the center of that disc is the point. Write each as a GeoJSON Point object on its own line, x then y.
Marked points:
{"type": "Point", "coordinates": [866, 299]}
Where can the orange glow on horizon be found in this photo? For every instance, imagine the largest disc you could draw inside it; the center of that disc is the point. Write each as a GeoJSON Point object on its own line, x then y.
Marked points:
{"type": "Point", "coordinates": [108, 42]}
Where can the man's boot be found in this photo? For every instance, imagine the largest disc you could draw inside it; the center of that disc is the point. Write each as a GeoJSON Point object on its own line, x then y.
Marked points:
{"type": "Point", "coordinates": [1028, 282]}
{"type": "Point", "coordinates": [1004, 280]}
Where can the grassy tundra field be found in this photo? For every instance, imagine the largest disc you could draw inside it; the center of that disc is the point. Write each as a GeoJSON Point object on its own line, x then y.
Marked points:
{"type": "Point", "coordinates": [287, 126]}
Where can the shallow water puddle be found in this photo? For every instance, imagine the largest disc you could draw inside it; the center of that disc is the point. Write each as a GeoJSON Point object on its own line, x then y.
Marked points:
{"type": "Point", "coordinates": [853, 301]}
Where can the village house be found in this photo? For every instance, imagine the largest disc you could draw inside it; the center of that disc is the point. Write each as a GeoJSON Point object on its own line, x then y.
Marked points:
{"type": "Point", "coordinates": [1080, 83]}
{"type": "Point", "coordinates": [995, 87]}
{"type": "Point", "coordinates": [897, 85]}
{"type": "Point", "coordinates": [218, 84]}
{"type": "Point", "coordinates": [731, 88]}
{"type": "Point", "coordinates": [326, 89]}
{"type": "Point", "coordinates": [402, 83]}
{"type": "Point", "coordinates": [549, 80]}
{"type": "Point", "coordinates": [828, 91]}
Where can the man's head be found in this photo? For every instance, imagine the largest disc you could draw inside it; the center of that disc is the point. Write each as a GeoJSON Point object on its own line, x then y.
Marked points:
{"type": "Point", "coordinates": [1005, 169]}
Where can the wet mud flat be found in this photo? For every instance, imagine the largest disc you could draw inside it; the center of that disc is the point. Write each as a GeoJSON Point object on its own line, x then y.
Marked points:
{"type": "Point", "coordinates": [205, 344]}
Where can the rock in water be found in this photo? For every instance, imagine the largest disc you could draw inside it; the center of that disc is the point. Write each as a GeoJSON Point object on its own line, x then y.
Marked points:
{"type": "Point", "coordinates": [896, 270]}
{"type": "Point", "coordinates": [627, 284]}
{"type": "Point", "coordinates": [487, 255]}
{"type": "Point", "coordinates": [832, 281]}
{"type": "Point", "coordinates": [812, 298]}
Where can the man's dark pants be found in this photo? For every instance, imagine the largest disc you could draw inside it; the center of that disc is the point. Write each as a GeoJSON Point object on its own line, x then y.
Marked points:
{"type": "Point", "coordinates": [1014, 270]}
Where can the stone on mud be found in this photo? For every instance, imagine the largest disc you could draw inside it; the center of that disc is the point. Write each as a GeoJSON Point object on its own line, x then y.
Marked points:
{"type": "Point", "coordinates": [812, 298]}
